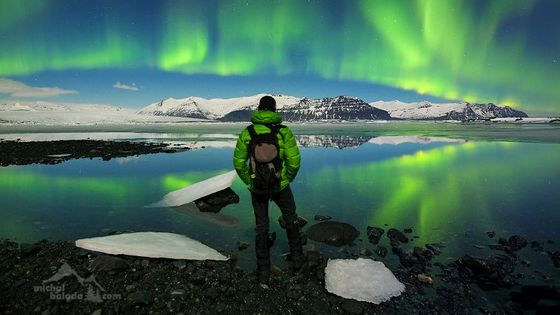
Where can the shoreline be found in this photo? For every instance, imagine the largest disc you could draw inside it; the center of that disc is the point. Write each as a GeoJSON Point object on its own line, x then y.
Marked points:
{"type": "Point", "coordinates": [150, 285]}
{"type": "Point", "coordinates": [55, 152]}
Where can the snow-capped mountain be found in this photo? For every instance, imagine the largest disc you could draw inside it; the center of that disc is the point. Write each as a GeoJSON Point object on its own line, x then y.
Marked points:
{"type": "Point", "coordinates": [446, 111]}
{"type": "Point", "coordinates": [338, 108]}
{"type": "Point", "coordinates": [291, 108]}
{"type": "Point", "coordinates": [341, 108]}
{"type": "Point", "coordinates": [216, 108]}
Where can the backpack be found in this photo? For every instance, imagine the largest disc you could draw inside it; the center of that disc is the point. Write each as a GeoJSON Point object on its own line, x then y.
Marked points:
{"type": "Point", "coordinates": [264, 159]}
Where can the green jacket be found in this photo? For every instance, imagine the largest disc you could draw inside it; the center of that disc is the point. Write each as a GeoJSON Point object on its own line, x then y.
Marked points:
{"type": "Point", "coordinates": [289, 152]}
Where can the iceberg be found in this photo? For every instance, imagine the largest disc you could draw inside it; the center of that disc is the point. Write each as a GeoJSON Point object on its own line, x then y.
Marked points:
{"type": "Point", "coordinates": [153, 245]}
{"type": "Point", "coordinates": [362, 280]}
{"type": "Point", "coordinates": [196, 191]}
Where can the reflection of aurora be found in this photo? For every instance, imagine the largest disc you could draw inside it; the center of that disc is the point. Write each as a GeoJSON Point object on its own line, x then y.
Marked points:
{"type": "Point", "coordinates": [43, 194]}
{"type": "Point", "coordinates": [430, 189]}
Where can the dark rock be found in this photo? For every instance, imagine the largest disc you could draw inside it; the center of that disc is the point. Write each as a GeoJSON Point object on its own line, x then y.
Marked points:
{"type": "Point", "coordinates": [517, 242]}
{"type": "Point", "coordinates": [491, 234]}
{"type": "Point", "coordinates": [422, 253]}
{"type": "Point", "coordinates": [381, 251]}
{"type": "Point", "coordinates": [435, 248]}
{"type": "Point", "coordinates": [555, 257]}
{"type": "Point", "coordinates": [30, 249]}
{"type": "Point", "coordinates": [489, 274]}
{"type": "Point", "coordinates": [211, 293]}
{"type": "Point", "coordinates": [320, 217]}
{"type": "Point", "coordinates": [498, 247]}
{"type": "Point", "coordinates": [217, 201]}
{"type": "Point", "coordinates": [140, 298]}
{"type": "Point", "coordinates": [408, 230]}
{"type": "Point", "coordinates": [242, 245]}
{"type": "Point", "coordinates": [107, 263]}
{"type": "Point", "coordinates": [332, 233]}
{"type": "Point", "coordinates": [396, 236]}
{"type": "Point", "coordinates": [300, 222]}
{"type": "Point", "coordinates": [374, 234]}
{"type": "Point", "coordinates": [537, 246]}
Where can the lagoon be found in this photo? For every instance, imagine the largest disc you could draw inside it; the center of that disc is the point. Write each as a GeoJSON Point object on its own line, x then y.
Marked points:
{"type": "Point", "coordinates": [449, 183]}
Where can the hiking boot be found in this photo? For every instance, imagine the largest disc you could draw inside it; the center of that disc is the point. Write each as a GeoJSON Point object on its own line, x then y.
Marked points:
{"type": "Point", "coordinates": [263, 275]}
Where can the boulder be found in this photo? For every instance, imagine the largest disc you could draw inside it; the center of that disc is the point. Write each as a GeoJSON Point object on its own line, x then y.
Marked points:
{"type": "Point", "coordinates": [333, 233]}
{"type": "Point", "coordinates": [396, 236]}
{"type": "Point", "coordinates": [217, 201]}
{"type": "Point", "coordinates": [374, 234]}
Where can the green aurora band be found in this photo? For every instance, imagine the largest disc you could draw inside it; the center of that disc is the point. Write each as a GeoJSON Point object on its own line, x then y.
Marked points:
{"type": "Point", "coordinates": [449, 49]}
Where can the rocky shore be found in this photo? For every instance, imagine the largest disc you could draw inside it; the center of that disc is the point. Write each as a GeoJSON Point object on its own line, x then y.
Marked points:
{"type": "Point", "coordinates": [54, 152]}
{"type": "Point", "coordinates": [58, 278]}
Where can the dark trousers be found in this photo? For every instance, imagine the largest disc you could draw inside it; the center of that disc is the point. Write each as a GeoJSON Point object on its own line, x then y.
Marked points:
{"type": "Point", "coordinates": [285, 201]}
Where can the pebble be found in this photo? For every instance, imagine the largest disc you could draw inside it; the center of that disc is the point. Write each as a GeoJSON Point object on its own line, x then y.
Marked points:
{"type": "Point", "coordinates": [425, 279]}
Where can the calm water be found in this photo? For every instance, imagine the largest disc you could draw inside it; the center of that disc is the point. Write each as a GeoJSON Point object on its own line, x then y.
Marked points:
{"type": "Point", "coordinates": [450, 189]}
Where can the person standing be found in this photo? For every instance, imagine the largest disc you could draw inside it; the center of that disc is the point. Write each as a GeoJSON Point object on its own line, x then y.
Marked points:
{"type": "Point", "coordinates": [267, 159]}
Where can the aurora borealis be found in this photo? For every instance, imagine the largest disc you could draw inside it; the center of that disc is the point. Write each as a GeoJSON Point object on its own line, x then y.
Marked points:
{"type": "Point", "coordinates": [505, 52]}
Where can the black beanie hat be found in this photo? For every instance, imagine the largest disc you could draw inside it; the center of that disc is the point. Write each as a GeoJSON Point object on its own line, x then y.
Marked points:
{"type": "Point", "coordinates": [267, 103]}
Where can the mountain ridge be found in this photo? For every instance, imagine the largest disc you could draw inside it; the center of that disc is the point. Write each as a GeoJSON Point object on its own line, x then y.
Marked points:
{"type": "Point", "coordinates": [339, 108]}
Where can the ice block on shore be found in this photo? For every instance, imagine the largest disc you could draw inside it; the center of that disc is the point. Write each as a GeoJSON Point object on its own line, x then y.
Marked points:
{"type": "Point", "coordinates": [362, 280]}
{"type": "Point", "coordinates": [196, 191]}
{"type": "Point", "coordinates": [153, 245]}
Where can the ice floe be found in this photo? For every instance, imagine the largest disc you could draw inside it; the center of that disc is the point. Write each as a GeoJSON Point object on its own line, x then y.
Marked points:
{"type": "Point", "coordinates": [153, 245]}
{"type": "Point", "coordinates": [361, 279]}
{"type": "Point", "coordinates": [196, 191]}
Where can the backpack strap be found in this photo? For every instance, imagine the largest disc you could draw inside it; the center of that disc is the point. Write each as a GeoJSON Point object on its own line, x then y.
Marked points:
{"type": "Point", "coordinates": [252, 132]}
{"type": "Point", "coordinates": [275, 128]}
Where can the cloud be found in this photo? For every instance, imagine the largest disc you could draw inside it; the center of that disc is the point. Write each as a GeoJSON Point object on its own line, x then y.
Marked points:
{"type": "Point", "coordinates": [123, 86]}
{"type": "Point", "coordinates": [19, 89]}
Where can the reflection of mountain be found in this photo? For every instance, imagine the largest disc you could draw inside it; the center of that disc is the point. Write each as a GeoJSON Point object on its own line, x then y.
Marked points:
{"type": "Point", "coordinates": [340, 142]}
{"type": "Point", "coordinates": [333, 141]}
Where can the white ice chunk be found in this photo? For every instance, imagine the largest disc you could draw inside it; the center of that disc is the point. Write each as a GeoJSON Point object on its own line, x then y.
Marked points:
{"type": "Point", "coordinates": [151, 244]}
{"type": "Point", "coordinates": [196, 191]}
{"type": "Point", "coordinates": [362, 279]}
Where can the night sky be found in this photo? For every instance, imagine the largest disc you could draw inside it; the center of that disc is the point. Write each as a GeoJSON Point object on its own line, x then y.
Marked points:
{"type": "Point", "coordinates": [133, 53]}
